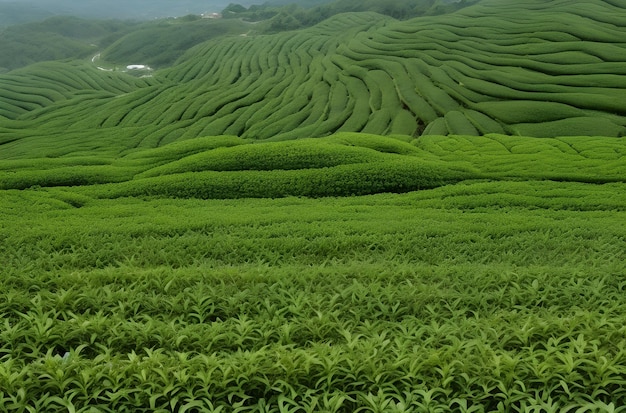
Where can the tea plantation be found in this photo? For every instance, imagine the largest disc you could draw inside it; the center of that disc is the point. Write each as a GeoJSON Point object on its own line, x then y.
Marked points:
{"type": "Point", "coordinates": [367, 215]}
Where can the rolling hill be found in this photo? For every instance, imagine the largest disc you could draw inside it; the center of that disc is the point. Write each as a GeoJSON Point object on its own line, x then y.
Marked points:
{"type": "Point", "coordinates": [539, 69]}
{"type": "Point", "coordinates": [366, 215]}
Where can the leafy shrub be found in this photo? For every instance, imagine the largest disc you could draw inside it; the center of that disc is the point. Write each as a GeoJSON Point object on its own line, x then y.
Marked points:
{"type": "Point", "coordinates": [183, 148]}
{"type": "Point", "coordinates": [64, 176]}
{"type": "Point", "coordinates": [515, 111]}
{"type": "Point", "coordinates": [576, 126]}
{"type": "Point", "coordinates": [399, 175]}
{"type": "Point", "coordinates": [457, 124]}
{"type": "Point", "coordinates": [404, 123]}
{"type": "Point", "coordinates": [317, 304]}
{"type": "Point", "coordinates": [437, 127]}
{"type": "Point", "coordinates": [301, 154]}
{"type": "Point", "coordinates": [369, 75]}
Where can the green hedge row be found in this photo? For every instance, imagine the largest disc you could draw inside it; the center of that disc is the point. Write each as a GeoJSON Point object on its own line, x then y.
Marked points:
{"type": "Point", "coordinates": [182, 148]}
{"type": "Point", "coordinates": [576, 159]}
{"type": "Point", "coordinates": [65, 176]}
{"type": "Point", "coordinates": [299, 154]}
{"type": "Point", "coordinates": [519, 111]}
{"type": "Point", "coordinates": [575, 126]}
{"type": "Point", "coordinates": [400, 175]}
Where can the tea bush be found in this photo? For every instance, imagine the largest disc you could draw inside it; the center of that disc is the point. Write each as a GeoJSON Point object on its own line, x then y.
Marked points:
{"type": "Point", "coordinates": [511, 292]}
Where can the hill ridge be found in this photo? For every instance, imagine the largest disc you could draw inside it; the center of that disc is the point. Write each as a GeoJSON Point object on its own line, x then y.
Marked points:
{"type": "Point", "coordinates": [529, 68]}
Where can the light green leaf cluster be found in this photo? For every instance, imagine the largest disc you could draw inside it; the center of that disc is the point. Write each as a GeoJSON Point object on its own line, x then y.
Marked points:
{"type": "Point", "coordinates": [472, 297]}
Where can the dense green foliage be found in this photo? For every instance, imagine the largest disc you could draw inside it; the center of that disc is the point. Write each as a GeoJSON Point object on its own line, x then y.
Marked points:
{"type": "Point", "coordinates": [343, 164]}
{"type": "Point", "coordinates": [481, 296]}
{"type": "Point", "coordinates": [336, 219]}
{"type": "Point", "coordinates": [483, 69]}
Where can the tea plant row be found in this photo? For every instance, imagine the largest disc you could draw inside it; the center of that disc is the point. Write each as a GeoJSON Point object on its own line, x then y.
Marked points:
{"type": "Point", "coordinates": [337, 165]}
{"type": "Point", "coordinates": [483, 296]}
{"type": "Point", "coordinates": [521, 70]}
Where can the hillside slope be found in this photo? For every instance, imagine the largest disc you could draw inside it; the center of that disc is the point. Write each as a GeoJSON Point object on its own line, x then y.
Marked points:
{"type": "Point", "coordinates": [57, 38]}
{"type": "Point", "coordinates": [531, 68]}
{"type": "Point", "coordinates": [395, 271]}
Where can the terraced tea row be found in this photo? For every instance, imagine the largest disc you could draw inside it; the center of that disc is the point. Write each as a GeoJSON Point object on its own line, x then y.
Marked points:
{"type": "Point", "coordinates": [337, 165]}
{"type": "Point", "coordinates": [30, 93]}
{"type": "Point", "coordinates": [533, 69]}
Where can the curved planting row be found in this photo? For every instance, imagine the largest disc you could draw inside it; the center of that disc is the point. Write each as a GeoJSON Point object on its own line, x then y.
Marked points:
{"type": "Point", "coordinates": [530, 68]}
{"type": "Point", "coordinates": [49, 86]}
{"type": "Point", "coordinates": [484, 70]}
{"type": "Point", "coordinates": [342, 164]}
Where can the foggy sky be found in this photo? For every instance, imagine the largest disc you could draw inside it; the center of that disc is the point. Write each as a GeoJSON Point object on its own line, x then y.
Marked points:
{"type": "Point", "coordinates": [129, 9]}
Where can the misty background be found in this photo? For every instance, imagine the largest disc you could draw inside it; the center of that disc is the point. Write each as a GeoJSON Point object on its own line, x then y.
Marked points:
{"type": "Point", "coordinates": [14, 12]}
{"type": "Point", "coordinates": [30, 10]}
{"type": "Point", "coordinates": [156, 33]}
{"type": "Point", "coordinates": [22, 11]}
